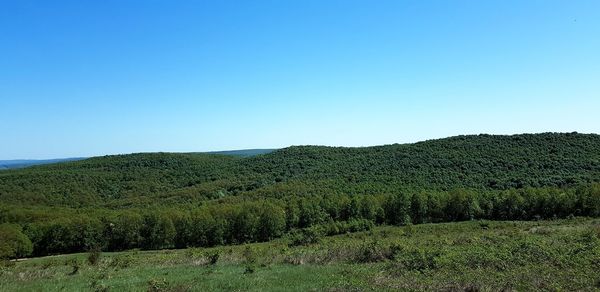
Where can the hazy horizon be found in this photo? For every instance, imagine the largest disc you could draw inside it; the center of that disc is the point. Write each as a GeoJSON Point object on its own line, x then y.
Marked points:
{"type": "Point", "coordinates": [112, 77]}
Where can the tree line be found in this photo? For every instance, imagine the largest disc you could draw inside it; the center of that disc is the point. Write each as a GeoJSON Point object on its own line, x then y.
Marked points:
{"type": "Point", "coordinates": [236, 221]}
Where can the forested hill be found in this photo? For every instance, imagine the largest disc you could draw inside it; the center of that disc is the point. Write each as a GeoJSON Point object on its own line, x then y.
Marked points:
{"type": "Point", "coordinates": [484, 162]}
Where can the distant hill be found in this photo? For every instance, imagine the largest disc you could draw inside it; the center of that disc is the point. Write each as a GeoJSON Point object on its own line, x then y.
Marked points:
{"type": "Point", "coordinates": [484, 162]}
{"type": "Point", "coordinates": [20, 163]}
{"type": "Point", "coordinates": [243, 153]}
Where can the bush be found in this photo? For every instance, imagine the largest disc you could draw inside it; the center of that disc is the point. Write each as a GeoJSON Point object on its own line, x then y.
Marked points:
{"type": "Point", "coordinates": [354, 225]}
{"type": "Point", "coordinates": [249, 260]}
{"type": "Point", "coordinates": [156, 285]}
{"type": "Point", "coordinates": [359, 225]}
{"type": "Point", "coordinates": [94, 256]}
{"type": "Point", "coordinates": [372, 252]}
{"type": "Point", "coordinates": [97, 286]}
{"type": "Point", "coordinates": [484, 225]}
{"type": "Point", "coordinates": [411, 259]}
{"type": "Point", "coordinates": [213, 257]}
{"type": "Point", "coordinates": [304, 237]}
{"type": "Point", "coordinates": [75, 265]}
{"type": "Point", "coordinates": [121, 261]}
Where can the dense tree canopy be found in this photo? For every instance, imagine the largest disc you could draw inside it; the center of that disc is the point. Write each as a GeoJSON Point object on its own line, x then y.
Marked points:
{"type": "Point", "coordinates": [485, 162]}
{"type": "Point", "coordinates": [13, 243]}
{"type": "Point", "coordinates": [165, 200]}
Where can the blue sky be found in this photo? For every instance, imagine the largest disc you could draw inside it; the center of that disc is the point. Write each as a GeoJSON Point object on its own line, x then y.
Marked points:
{"type": "Point", "coordinates": [85, 78]}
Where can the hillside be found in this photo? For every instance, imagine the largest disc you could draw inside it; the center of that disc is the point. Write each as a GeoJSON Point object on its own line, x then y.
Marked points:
{"type": "Point", "coordinates": [486, 162]}
{"type": "Point", "coordinates": [168, 200]}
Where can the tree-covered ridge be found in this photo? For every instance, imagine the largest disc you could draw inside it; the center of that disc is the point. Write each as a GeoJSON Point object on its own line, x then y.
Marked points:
{"type": "Point", "coordinates": [111, 178]}
{"type": "Point", "coordinates": [484, 162]}
{"type": "Point", "coordinates": [166, 200]}
{"type": "Point", "coordinates": [487, 161]}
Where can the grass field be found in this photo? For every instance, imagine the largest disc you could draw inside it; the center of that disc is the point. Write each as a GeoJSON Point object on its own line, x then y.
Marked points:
{"type": "Point", "coordinates": [466, 256]}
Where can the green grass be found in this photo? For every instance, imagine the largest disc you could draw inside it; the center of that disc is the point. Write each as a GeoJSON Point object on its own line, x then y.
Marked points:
{"type": "Point", "coordinates": [466, 256]}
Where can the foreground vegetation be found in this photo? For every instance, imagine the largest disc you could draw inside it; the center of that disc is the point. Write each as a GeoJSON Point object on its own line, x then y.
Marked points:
{"type": "Point", "coordinates": [466, 256]}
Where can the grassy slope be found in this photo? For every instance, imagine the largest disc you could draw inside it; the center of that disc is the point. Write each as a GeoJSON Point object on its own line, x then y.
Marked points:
{"type": "Point", "coordinates": [524, 256]}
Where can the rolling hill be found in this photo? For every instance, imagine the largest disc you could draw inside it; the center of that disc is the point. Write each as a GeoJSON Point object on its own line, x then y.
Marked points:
{"type": "Point", "coordinates": [178, 200]}
{"type": "Point", "coordinates": [486, 162]}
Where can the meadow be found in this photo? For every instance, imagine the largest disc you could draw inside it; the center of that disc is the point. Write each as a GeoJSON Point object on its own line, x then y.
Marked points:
{"type": "Point", "coordinates": [551, 255]}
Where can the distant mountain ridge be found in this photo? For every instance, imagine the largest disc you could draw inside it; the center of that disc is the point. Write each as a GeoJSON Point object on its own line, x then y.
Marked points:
{"type": "Point", "coordinates": [21, 163]}
{"type": "Point", "coordinates": [243, 153]}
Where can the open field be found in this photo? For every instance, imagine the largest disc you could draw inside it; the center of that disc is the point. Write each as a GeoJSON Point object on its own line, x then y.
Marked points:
{"type": "Point", "coordinates": [466, 256]}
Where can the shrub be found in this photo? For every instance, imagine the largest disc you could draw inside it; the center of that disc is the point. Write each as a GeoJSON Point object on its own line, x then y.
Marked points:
{"type": "Point", "coordinates": [249, 269]}
{"type": "Point", "coordinates": [372, 252]}
{"type": "Point", "coordinates": [213, 257]}
{"type": "Point", "coordinates": [75, 265]}
{"type": "Point", "coordinates": [484, 225]}
{"type": "Point", "coordinates": [97, 286]}
{"type": "Point", "coordinates": [249, 260]}
{"type": "Point", "coordinates": [304, 237]}
{"type": "Point", "coordinates": [358, 225]}
{"type": "Point", "coordinates": [121, 261]}
{"type": "Point", "coordinates": [157, 285]}
{"type": "Point", "coordinates": [414, 259]}
{"type": "Point", "coordinates": [94, 256]}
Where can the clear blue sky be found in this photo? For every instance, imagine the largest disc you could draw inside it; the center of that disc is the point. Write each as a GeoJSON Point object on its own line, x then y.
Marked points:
{"type": "Point", "coordinates": [84, 78]}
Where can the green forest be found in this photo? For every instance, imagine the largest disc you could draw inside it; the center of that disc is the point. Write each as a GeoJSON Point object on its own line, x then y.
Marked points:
{"type": "Point", "coordinates": [171, 200]}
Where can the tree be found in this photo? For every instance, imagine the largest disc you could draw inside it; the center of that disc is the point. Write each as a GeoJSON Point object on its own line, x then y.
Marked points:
{"type": "Point", "coordinates": [123, 232]}
{"type": "Point", "coordinates": [13, 243]}
{"type": "Point", "coordinates": [461, 205]}
{"type": "Point", "coordinates": [310, 214]}
{"type": "Point", "coordinates": [397, 209]}
{"type": "Point", "coordinates": [183, 230]}
{"type": "Point", "coordinates": [369, 207]}
{"type": "Point", "coordinates": [292, 214]}
{"type": "Point", "coordinates": [419, 208]}
{"type": "Point", "coordinates": [271, 223]}
{"type": "Point", "coordinates": [353, 208]}
{"type": "Point", "coordinates": [158, 231]}
{"type": "Point", "coordinates": [246, 224]}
